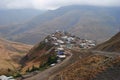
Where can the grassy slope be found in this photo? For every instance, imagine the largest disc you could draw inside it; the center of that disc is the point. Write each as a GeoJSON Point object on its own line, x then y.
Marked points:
{"type": "Point", "coordinates": [10, 55]}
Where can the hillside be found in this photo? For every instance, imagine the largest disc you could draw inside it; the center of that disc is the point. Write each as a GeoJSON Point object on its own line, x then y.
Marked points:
{"type": "Point", "coordinates": [79, 63]}
{"type": "Point", "coordinates": [112, 45]}
{"type": "Point", "coordinates": [10, 55]}
{"type": "Point", "coordinates": [93, 67]}
{"type": "Point", "coordinates": [98, 65]}
{"type": "Point", "coordinates": [97, 23]}
{"type": "Point", "coordinates": [37, 56]}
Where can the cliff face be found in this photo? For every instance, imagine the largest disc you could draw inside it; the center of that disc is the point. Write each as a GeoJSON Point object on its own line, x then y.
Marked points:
{"type": "Point", "coordinates": [112, 45]}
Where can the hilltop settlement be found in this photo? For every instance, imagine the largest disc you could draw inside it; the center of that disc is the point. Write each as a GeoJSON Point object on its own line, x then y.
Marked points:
{"type": "Point", "coordinates": [64, 40]}
{"type": "Point", "coordinates": [60, 41]}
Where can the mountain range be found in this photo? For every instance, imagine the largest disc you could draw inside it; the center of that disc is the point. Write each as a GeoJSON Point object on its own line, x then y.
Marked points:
{"type": "Point", "coordinates": [78, 24]}
{"type": "Point", "coordinates": [91, 22]}
{"type": "Point", "coordinates": [17, 16]}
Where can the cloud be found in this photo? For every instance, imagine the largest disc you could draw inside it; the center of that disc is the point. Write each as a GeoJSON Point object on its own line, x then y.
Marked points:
{"type": "Point", "coordinates": [53, 4]}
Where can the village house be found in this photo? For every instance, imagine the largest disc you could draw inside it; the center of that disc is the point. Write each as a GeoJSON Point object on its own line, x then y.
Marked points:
{"type": "Point", "coordinates": [60, 41]}
{"type": "Point", "coordinates": [52, 64]}
{"type": "Point", "coordinates": [54, 38]}
{"type": "Point", "coordinates": [60, 51]}
{"type": "Point", "coordinates": [3, 77]}
{"type": "Point", "coordinates": [61, 56]}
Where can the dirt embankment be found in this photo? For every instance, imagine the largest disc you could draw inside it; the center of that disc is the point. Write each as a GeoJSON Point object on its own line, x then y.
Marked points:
{"type": "Point", "coordinates": [50, 73]}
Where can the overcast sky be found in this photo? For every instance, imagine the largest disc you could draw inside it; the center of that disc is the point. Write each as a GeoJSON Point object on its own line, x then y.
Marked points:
{"type": "Point", "coordinates": [53, 4]}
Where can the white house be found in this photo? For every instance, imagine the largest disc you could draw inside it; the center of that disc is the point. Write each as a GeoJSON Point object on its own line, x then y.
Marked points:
{"type": "Point", "coordinates": [61, 56]}
{"type": "Point", "coordinates": [64, 37]}
{"type": "Point", "coordinates": [70, 39]}
{"type": "Point", "coordinates": [46, 40]}
{"type": "Point", "coordinates": [61, 49]}
{"type": "Point", "coordinates": [62, 46]}
{"type": "Point", "coordinates": [92, 45]}
{"type": "Point", "coordinates": [54, 38]}
{"type": "Point", "coordinates": [56, 44]}
{"type": "Point", "coordinates": [3, 77]}
{"type": "Point", "coordinates": [60, 41]}
{"type": "Point", "coordinates": [52, 65]}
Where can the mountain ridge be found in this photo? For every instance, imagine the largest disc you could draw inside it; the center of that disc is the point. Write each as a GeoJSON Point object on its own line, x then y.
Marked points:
{"type": "Point", "coordinates": [17, 16]}
{"type": "Point", "coordinates": [82, 21]}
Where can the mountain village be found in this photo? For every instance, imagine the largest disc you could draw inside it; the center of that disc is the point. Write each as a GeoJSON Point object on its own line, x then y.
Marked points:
{"type": "Point", "coordinates": [64, 40]}
{"type": "Point", "coordinates": [61, 41]}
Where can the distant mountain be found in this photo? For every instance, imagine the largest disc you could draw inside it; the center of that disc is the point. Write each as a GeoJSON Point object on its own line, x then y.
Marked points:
{"type": "Point", "coordinates": [16, 16]}
{"type": "Point", "coordinates": [98, 23]}
{"type": "Point", "coordinates": [112, 45]}
{"type": "Point", "coordinates": [10, 55]}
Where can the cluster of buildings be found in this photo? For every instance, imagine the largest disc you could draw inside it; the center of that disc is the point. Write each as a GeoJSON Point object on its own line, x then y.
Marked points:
{"type": "Point", "coordinates": [86, 44]}
{"type": "Point", "coordinates": [66, 40]}
{"type": "Point", "coordinates": [63, 40]}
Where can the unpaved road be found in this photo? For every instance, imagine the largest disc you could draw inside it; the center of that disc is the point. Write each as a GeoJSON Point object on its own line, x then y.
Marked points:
{"type": "Point", "coordinates": [49, 74]}
{"type": "Point", "coordinates": [53, 70]}
{"type": "Point", "coordinates": [109, 54]}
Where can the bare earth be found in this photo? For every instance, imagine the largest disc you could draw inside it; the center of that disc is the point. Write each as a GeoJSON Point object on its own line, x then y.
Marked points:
{"type": "Point", "coordinates": [46, 75]}
{"type": "Point", "coordinates": [50, 73]}
{"type": "Point", "coordinates": [10, 54]}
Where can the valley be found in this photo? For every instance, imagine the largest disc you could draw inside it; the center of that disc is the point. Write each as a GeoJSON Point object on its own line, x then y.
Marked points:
{"type": "Point", "coordinates": [91, 22]}
{"type": "Point", "coordinates": [72, 42]}
{"type": "Point", "coordinates": [78, 61]}
{"type": "Point", "coordinates": [10, 55]}
{"type": "Point", "coordinates": [54, 72]}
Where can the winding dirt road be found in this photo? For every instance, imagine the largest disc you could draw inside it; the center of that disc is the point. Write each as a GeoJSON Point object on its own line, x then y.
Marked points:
{"type": "Point", "coordinates": [109, 54]}
{"type": "Point", "coordinates": [45, 75]}
{"type": "Point", "coordinates": [50, 73]}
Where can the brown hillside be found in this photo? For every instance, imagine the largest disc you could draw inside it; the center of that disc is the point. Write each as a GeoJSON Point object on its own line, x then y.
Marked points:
{"type": "Point", "coordinates": [90, 68]}
{"type": "Point", "coordinates": [97, 66]}
{"type": "Point", "coordinates": [10, 55]}
{"type": "Point", "coordinates": [112, 45]}
{"type": "Point", "coordinates": [37, 56]}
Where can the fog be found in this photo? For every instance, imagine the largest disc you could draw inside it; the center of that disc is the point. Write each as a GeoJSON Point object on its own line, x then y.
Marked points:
{"type": "Point", "coordinates": [53, 4]}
